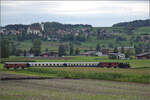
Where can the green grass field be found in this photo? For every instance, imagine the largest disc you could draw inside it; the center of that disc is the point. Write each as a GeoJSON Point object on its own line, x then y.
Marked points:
{"type": "Point", "coordinates": [139, 71]}
{"type": "Point", "coordinates": [125, 75]}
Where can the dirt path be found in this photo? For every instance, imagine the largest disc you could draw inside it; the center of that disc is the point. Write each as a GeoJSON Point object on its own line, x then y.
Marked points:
{"type": "Point", "coordinates": [69, 89]}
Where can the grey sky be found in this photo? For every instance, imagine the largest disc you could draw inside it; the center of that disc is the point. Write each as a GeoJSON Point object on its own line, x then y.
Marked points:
{"type": "Point", "coordinates": [96, 13]}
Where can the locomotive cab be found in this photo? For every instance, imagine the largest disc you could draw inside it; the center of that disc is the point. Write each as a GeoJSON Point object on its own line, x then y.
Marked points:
{"type": "Point", "coordinates": [28, 65]}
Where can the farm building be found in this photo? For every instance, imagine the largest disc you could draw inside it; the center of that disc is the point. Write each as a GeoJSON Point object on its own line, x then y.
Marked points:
{"type": "Point", "coordinates": [145, 55]}
{"type": "Point", "coordinates": [49, 54]}
{"type": "Point", "coordinates": [88, 53]}
{"type": "Point", "coordinates": [116, 55]}
{"type": "Point", "coordinates": [93, 53]}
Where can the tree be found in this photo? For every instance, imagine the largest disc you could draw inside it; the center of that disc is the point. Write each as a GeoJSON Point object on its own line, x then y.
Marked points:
{"type": "Point", "coordinates": [115, 50]}
{"type": "Point", "coordinates": [31, 51]}
{"type": "Point", "coordinates": [36, 47]}
{"type": "Point", "coordinates": [77, 51]}
{"type": "Point", "coordinates": [103, 46]}
{"type": "Point", "coordinates": [61, 50]}
{"type": "Point", "coordinates": [24, 53]}
{"type": "Point", "coordinates": [13, 48]}
{"type": "Point", "coordinates": [138, 49]}
{"type": "Point", "coordinates": [90, 49]}
{"type": "Point", "coordinates": [129, 53]}
{"type": "Point", "coordinates": [46, 50]}
{"type": "Point", "coordinates": [18, 52]}
{"type": "Point", "coordinates": [71, 52]}
{"type": "Point", "coordinates": [81, 38]}
{"type": "Point", "coordinates": [4, 48]}
{"type": "Point", "coordinates": [98, 48]}
{"type": "Point", "coordinates": [147, 48]}
{"type": "Point", "coordinates": [110, 45]}
{"type": "Point", "coordinates": [122, 49]}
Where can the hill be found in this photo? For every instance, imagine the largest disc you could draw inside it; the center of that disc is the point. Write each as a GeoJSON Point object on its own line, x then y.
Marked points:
{"type": "Point", "coordinates": [136, 23]}
{"type": "Point", "coordinates": [85, 37]}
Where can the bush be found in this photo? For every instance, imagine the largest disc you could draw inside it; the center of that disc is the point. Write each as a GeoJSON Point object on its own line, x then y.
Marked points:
{"type": "Point", "coordinates": [132, 57]}
{"type": "Point", "coordinates": [93, 75]}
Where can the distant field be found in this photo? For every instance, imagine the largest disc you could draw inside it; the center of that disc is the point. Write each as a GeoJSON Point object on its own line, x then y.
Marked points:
{"type": "Point", "coordinates": [142, 30]}
{"type": "Point", "coordinates": [45, 44]}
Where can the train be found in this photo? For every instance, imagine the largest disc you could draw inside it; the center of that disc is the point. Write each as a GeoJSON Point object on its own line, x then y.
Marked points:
{"type": "Point", "coordinates": [23, 65]}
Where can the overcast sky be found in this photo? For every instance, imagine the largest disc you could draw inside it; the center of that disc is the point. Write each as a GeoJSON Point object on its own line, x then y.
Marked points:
{"type": "Point", "coordinates": [95, 13]}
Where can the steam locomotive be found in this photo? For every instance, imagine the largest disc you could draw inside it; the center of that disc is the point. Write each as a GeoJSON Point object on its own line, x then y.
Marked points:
{"type": "Point", "coordinates": [23, 65]}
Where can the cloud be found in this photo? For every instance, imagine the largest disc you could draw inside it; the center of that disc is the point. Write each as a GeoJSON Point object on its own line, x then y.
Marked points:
{"type": "Point", "coordinates": [74, 9]}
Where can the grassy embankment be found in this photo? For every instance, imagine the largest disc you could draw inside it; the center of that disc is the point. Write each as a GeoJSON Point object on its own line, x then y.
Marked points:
{"type": "Point", "coordinates": [139, 71]}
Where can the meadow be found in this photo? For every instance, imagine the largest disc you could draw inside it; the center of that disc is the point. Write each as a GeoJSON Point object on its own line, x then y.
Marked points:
{"type": "Point", "coordinates": [125, 75]}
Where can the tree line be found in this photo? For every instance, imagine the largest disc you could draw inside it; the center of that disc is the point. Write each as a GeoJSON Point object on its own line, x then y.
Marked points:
{"type": "Point", "coordinates": [8, 48]}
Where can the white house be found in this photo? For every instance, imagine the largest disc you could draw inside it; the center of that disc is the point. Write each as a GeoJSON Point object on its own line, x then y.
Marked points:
{"type": "Point", "coordinates": [35, 29]}
{"type": "Point", "coordinates": [99, 54]}
{"type": "Point", "coordinates": [117, 55]}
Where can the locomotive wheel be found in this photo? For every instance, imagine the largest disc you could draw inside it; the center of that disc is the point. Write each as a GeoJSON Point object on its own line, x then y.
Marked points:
{"type": "Point", "coordinates": [15, 68]}
{"type": "Point", "coordinates": [7, 67]}
{"type": "Point", "coordinates": [22, 67]}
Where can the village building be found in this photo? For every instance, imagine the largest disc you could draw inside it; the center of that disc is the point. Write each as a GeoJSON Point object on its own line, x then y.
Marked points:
{"type": "Point", "coordinates": [35, 29]}
{"type": "Point", "coordinates": [105, 51]}
{"type": "Point", "coordinates": [76, 34]}
{"type": "Point", "coordinates": [32, 30]}
{"type": "Point", "coordinates": [145, 55]}
{"type": "Point", "coordinates": [14, 32]}
{"type": "Point", "coordinates": [2, 30]}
